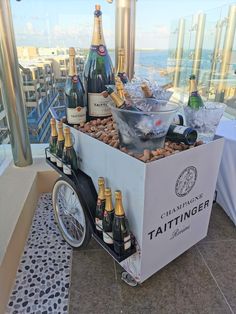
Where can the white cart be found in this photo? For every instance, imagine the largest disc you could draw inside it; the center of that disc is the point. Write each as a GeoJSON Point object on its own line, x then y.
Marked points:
{"type": "Point", "coordinates": [167, 202]}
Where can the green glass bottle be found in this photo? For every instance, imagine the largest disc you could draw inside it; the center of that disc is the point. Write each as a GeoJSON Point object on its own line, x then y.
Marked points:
{"type": "Point", "coordinates": [98, 71]}
{"type": "Point", "coordinates": [194, 100]}
{"type": "Point", "coordinates": [69, 157]}
{"type": "Point", "coordinates": [119, 102]}
{"type": "Point", "coordinates": [75, 95]}
{"type": "Point", "coordinates": [53, 141]}
{"type": "Point", "coordinates": [107, 220]}
{"type": "Point", "coordinates": [121, 234]}
{"type": "Point", "coordinates": [100, 205]}
{"type": "Point", "coordinates": [60, 144]}
{"type": "Point", "coordinates": [121, 66]}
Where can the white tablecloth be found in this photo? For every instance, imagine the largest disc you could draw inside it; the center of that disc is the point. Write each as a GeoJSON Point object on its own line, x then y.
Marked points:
{"type": "Point", "coordinates": [226, 182]}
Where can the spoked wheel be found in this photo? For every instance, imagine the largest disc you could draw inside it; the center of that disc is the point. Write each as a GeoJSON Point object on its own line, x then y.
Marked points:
{"type": "Point", "coordinates": [69, 214]}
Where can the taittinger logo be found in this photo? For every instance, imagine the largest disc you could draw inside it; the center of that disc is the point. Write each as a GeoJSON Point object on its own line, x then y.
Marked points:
{"type": "Point", "coordinates": [186, 181]}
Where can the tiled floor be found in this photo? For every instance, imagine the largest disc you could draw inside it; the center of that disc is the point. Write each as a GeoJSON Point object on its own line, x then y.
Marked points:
{"type": "Point", "coordinates": [202, 280]}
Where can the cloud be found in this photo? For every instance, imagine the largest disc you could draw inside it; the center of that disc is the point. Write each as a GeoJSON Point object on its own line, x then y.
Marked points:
{"type": "Point", "coordinates": [157, 37]}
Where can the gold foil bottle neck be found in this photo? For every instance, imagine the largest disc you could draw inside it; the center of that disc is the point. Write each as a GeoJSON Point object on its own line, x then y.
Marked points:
{"type": "Point", "coordinates": [72, 64]}
{"type": "Point", "coordinates": [108, 206]}
{"type": "Point", "coordinates": [101, 181]}
{"type": "Point", "coordinates": [98, 38]}
{"type": "Point", "coordinates": [68, 141]}
{"type": "Point", "coordinates": [192, 84]}
{"type": "Point", "coordinates": [60, 132]}
{"type": "Point", "coordinates": [101, 188]}
{"type": "Point", "coordinates": [53, 127]}
{"type": "Point", "coordinates": [60, 124]}
{"type": "Point", "coordinates": [119, 210]}
{"type": "Point", "coordinates": [52, 121]}
{"type": "Point", "coordinates": [119, 87]}
{"type": "Point", "coordinates": [117, 100]}
{"type": "Point", "coordinates": [146, 90]}
{"type": "Point", "coordinates": [121, 61]}
{"type": "Point", "coordinates": [67, 130]}
{"type": "Point", "coordinates": [121, 52]}
{"type": "Point", "coordinates": [71, 51]}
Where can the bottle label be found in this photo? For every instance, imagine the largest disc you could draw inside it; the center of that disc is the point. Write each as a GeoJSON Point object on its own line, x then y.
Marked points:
{"type": "Point", "coordinates": [59, 163]}
{"type": "Point", "coordinates": [76, 115]}
{"type": "Point", "coordinates": [67, 169]}
{"type": "Point", "coordinates": [98, 224]}
{"type": "Point", "coordinates": [127, 243]}
{"type": "Point", "coordinates": [108, 237]}
{"type": "Point", "coordinates": [98, 105]}
{"type": "Point", "coordinates": [101, 49]}
{"type": "Point", "coordinates": [74, 79]}
{"type": "Point", "coordinates": [179, 129]}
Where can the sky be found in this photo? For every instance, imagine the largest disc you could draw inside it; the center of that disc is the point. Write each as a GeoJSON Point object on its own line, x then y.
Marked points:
{"type": "Point", "coordinates": [61, 23]}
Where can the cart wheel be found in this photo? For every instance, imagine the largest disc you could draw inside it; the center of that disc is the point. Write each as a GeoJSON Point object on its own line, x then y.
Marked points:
{"type": "Point", "coordinates": [70, 214]}
{"type": "Point", "coordinates": [127, 278]}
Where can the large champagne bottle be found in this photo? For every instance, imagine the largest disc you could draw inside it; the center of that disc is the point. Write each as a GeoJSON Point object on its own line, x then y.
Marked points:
{"type": "Point", "coordinates": [121, 235]}
{"type": "Point", "coordinates": [100, 205]}
{"type": "Point", "coordinates": [69, 157]}
{"type": "Point", "coordinates": [121, 66]}
{"type": "Point", "coordinates": [60, 144]}
{"type": "Point", "coordinates": [98, 71]}
{"type": "Point", "coordinates": [53, 141]}
{"type": "Point", "coordinates": [195, 100]}
{"type": "Point", "coordinates": [75, 95]}
{"type": "Point", "coordinates": [108, 218]}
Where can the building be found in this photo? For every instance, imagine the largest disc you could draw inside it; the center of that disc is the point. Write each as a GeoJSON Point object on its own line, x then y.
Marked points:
{"type": "Point", "coordinates": [40, 93]}
{"type": "Point", "coordinates": [43, 72]}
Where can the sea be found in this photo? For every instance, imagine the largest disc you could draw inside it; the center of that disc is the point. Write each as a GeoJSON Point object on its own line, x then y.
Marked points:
{"type": "Point", "coordinates": [149, 64]}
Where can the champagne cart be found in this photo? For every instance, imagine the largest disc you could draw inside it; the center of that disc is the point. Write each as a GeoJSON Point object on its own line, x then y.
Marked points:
{"type": "Point", "coordinates": [167, 202]}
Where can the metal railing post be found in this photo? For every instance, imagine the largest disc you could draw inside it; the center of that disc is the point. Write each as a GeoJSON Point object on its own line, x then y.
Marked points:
{"type": "Point", "coordinates": [198, 44]}
{"type": "Point", "coordinates": [179, 52]}
{"type": "Point", "coordinates": [227, 50]}
{"type": "Point", "coordinates": [125, 33]}
{"type": "Point", "coordinates": [216, 51]}
{"type": "Point", "coordinates": [12, 91]}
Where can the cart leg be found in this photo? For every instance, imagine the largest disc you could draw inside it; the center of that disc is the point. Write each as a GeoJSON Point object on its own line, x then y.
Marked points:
{"type": "Point", "coordinates": [127, 278]}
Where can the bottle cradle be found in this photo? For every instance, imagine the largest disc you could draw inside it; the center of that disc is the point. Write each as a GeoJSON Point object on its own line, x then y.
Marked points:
{"type": "Point", "coordinates": [98, 235]}
{"type": "Point", "coordinates": [127, 245]}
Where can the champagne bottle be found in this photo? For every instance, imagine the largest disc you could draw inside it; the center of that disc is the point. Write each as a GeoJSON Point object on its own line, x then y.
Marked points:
{"type": "Point", "coordinates": [195, 100]}
{"type": "Point", "coordinates": [119, 102]}
{"type": "Point", "coordinates": [120, 88]}
{"type": "Point", "coordinates": [179, 133]}
{"type": "Point", "coordinates": [53, 141]}
{"type": "Point", "coordinates": [98, 71]}
{"type": "Point", "coordinates": [146, 91]}
{"type": "Point", "coordinates": [60, 144]}
{"type": "Point", "coordinates": [75, 95]}
{"type": "Point", "coordinates": [100, 205]}
{"type": "Point", "coordinates": [121, 66]}
{"type": "Point", "coordinates": [69, 157]}
{"type": "Point", "coordinates": [108, 218]}
{"type": "Point", "coordinates": [121, 235]}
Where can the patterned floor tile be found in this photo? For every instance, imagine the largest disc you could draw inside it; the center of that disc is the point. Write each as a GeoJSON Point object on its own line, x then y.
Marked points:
{"type": "Point", "coordinates": [43, 277]}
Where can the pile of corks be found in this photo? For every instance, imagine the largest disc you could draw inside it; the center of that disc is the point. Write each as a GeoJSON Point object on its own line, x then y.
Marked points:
{"type": "Point", "coordinates": [105, 130]}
